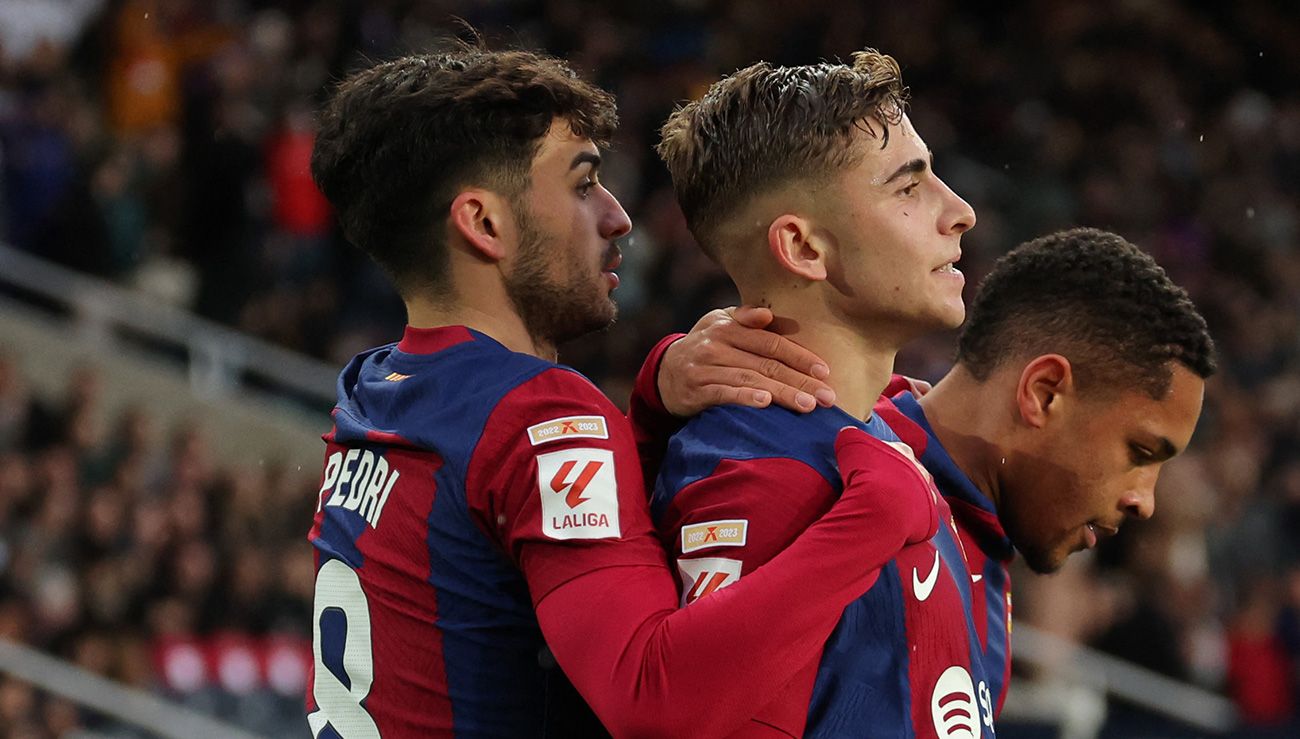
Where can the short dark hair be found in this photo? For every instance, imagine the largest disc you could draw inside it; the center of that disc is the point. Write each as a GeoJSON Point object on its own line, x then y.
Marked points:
{"type": "Point", "coordinates": [1097, 300]}
{"type": "Point", "coordinates": [397, 140]}
{"type": "Point", "coordinates": [764, 127]}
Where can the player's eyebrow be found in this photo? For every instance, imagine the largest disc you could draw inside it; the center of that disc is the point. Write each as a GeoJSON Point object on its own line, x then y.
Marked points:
{"type": "Point", "coordinates": [916, 166]}
{"type": "Point", "coordinates": [585, 157]}
{"type": "Point", "coordinates": [1164, 450]}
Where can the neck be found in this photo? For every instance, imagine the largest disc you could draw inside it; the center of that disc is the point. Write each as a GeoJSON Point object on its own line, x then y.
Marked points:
{"type": "Point", "coordinates": [860, 362]}
{"type": "Point", "coordinates": [503, 325]}
{"type": "Point", "coordinates": [967, 418]}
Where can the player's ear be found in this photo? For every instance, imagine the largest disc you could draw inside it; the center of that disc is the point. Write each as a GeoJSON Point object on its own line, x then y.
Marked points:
{"type": "Point", "coordinates": [1046, 382]}
{"type": "Point", "coordinates": [796, 247]}
{"type": "Point", "coordinates": [484, 221]}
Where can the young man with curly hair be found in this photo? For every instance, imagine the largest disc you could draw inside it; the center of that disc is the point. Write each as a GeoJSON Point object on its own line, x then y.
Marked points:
{"type": "Point", "coordinates": [1079, 373]}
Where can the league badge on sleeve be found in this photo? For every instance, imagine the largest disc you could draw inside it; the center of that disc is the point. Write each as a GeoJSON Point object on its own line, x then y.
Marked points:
{"type": "Point", "coordinates": [579, 494]}
{"type": "Point", "coordinates": [706, 574]}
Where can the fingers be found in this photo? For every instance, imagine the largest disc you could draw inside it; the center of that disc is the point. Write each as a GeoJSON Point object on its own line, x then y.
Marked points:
{"type": "Point", "coordinates": [756, 388]}
{"type": "Point", "coordinates": [919, 387]}
{"type": "Point", "coordinates": [775, 347]}
{"type": "Point", "coordinates": [751, 316]}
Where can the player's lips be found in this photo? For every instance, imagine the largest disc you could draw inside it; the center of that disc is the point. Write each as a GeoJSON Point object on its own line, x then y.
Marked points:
{"type": "Point", "coordinates": [950, 267]}
{"type": "Point", "coordinates": [614, 259]}
{"type": "Point", "coordinates": [612, 263]}
{"type": "Point", "coordinates": [1093, 531]}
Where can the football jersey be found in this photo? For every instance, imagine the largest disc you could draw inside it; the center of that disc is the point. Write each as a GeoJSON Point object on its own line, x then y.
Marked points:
{"type": "Point", "coordinates": [424, 620]}
{"type": "Point", "coordinates": [900, 662]}
{"type": "Point", "coordinates": [987, 547]}
{"type": "Point", "coordinates": [482, 530]}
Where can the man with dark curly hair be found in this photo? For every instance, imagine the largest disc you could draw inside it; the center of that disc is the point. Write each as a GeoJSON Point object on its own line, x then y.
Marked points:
{"type": "Point", "coordinates": [482, 516]}
{"type": "Point", "coordinates": [1079, 373]}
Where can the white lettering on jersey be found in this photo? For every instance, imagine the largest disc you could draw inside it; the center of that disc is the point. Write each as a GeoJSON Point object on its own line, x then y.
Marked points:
{"type": "Point", "coordinates": [363, 489]}
{"type": "Point", "coordinates": [705, 575]}
{"type": "Point", "coordinates": [332, 467]}
{"type": "Point", "coordinates": [986, 705]}
{"type": "Point", "coordinates": [579, 494]}
{"type": "Point", "coordinates": [569, 427]}
{"type": "Point", "coordinates": [952, 705]}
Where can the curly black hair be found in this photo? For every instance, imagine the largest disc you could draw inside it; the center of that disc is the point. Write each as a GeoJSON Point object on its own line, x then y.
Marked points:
{"type": "Point", "coordinates": [398, 140]}
{"type": "Point", "coordinates": [1094, 298]}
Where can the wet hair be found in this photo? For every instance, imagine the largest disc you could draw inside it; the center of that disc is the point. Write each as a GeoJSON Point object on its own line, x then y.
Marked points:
{"type": "Point", "coordinates": [400, 140]}
{"type": "Point", "coordinates": [764, 127]}
{"type": "Point", "coordinates": [1093, 298]}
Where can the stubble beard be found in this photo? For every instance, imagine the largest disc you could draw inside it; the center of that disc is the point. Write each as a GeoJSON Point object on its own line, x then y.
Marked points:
{"type": "Point", "coordinates": [552, 310]}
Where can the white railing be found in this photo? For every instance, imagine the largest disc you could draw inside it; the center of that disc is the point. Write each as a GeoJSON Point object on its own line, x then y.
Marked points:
{"type": "Point", "coordinates": [1078, 676]}
{"type": "Point", "coordinates": [128, 705]}
{"type": "Point", "coordinates": [219, 358]}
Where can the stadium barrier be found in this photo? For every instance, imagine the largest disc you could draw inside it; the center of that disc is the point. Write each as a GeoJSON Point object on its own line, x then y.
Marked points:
{"type": "Point", "coordinates": [128, 705]}
{"type": "Point", "coordinates": [1074, 666]}
{"type": "Point", "coordinates": [220, 359]}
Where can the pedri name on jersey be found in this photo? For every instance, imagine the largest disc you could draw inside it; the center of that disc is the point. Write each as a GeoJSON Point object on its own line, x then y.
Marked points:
{"type": "Point", "coordinates": [358, 480]}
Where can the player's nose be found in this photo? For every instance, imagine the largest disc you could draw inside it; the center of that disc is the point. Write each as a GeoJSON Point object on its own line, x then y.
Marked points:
{"type": "Point", "coordinates": [958, 215]}
{"type": "Point", "coordinates": [614, 223]}
{"type": "Point", "coordinates": [1140, 501]}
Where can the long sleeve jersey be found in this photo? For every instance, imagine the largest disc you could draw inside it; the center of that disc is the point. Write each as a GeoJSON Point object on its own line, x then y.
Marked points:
{"type": "Point", "coordinates": [986, 545]}
{"type": "Point", "coordinates": [483, 547]}
{"type": "Point", "coordinates": [737, 486]}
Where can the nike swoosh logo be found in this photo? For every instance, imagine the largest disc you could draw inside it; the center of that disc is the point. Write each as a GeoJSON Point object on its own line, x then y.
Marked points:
{"type": "Point", "coordinates": [923, 588]}
{"type": "Point", "coordinates": [976, 578]}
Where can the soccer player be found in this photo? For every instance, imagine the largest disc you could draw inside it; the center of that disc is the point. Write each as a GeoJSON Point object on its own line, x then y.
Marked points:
{"type": "Point", "coordinates": [1079, 373]}
{"type": "Point", "coordinates": [814, 191]}
{"type": "Point", "coordinates": [482, 516]}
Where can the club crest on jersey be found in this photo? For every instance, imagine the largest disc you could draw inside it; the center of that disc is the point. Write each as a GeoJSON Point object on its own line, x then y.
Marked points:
{"type": "Point", "coordinates": [705, 575]}
{"type": "Point", "coordinates": [952, 705]}
{"type": "Point", "coordinates": [579, 494]}
{"type": "Point", "coordinates": [729, 533]}
{"type": "Point", "coordinates": [569, 427]}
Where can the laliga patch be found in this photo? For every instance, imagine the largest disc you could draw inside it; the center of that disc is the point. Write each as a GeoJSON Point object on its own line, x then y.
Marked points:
{"type": "Point", "coordinates": [569, 427]}
{"type": "Point", "coordinates": [729, 533]}
{"type": "Point", "coordinates": [579, 494]}
{"type": "Point", "coordinates": [705, 575]}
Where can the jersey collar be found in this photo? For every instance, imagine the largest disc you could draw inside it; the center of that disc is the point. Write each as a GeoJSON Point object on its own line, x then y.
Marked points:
{"type": "Point", "coordinates": [968, 502]}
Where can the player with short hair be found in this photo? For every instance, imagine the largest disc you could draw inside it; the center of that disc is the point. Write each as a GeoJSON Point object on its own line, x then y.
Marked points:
{"type": "Point", "coordinates": [482, 515]}
{"type": "Point", "coordinates": [814, 191]}
{"type": "Point", "coordinates": [1079, 373]}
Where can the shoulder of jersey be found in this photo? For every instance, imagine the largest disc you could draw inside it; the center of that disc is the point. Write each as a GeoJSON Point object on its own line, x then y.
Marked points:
{"type": "Point", "coordinates": [740, 433]}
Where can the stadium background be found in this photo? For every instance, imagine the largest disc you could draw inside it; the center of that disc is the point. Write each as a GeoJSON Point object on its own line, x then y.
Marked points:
{"type": "Point", "coordinates": [163, 146]}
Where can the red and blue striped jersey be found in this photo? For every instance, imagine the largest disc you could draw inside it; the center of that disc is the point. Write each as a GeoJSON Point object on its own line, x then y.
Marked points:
{"type": "Point", "coordinates": [737, 486]}
{"type": "Point", "coordinates": [987, 547]}
{"type": "Point", "coordinates": [482, 532]}
{"type": "Point", "coordinates": [425, 621]}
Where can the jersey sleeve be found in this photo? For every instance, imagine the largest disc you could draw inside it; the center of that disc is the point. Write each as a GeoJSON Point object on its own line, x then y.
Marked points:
{"type": "Point", "coordinates": [723, 527]}
{"type": "Point", "coordinates": [608, 604]}
{"type": "Point", "coordinates": [652, 424]}
{"type": "Point", "coordinates": [554, 480]}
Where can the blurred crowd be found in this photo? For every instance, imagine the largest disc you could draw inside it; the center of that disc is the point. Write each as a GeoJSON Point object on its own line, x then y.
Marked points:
{"type": "Point", "coordinates": [128, 550]}
{"type": "Point", "coordinates": [165, 145]}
